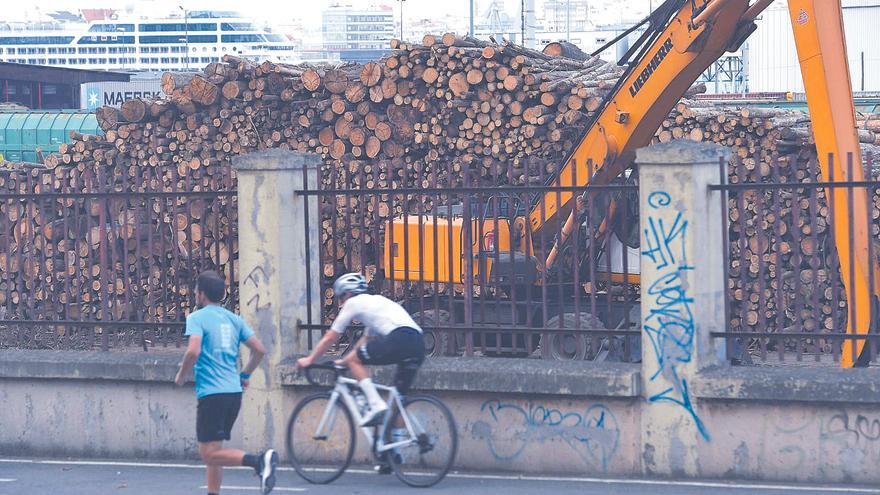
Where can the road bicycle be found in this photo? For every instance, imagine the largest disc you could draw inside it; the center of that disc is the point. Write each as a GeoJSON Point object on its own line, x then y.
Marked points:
{"type": "Point", "coordinates": [417, 436]}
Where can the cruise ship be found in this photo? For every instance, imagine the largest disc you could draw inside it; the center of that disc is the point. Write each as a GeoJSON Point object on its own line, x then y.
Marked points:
{"type": "Point", "coordinates": [185, 42]}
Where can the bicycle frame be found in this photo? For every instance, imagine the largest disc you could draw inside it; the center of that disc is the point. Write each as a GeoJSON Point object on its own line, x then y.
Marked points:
{"type": "Point", "coordinates": [341, 390]}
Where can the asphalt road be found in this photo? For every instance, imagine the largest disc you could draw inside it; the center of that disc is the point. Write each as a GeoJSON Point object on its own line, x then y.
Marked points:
{"type": "Point", "coordinates": [74, 477]}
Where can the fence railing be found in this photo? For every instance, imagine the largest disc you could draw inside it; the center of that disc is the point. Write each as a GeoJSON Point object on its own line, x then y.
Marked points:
{"type": "Point", "coordinates": [786, 297]}
{"type": "Point", "coordinates": [95, 261]}
{"type": "Point", "coordinates": [457, 252]}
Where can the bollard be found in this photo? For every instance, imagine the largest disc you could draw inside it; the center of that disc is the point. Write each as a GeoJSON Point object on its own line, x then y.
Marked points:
{"type": "Point", "coordinates": [682, 296]}
{"type": "Point", "coordinates": [273, 284]}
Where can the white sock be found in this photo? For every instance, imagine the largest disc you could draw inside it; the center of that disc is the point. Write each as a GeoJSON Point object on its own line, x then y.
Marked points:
{"type": "Point", "coordinates": [372, 394]}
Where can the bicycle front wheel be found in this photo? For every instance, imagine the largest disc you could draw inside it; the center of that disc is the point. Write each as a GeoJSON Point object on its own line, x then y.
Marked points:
{"type": "Point", "coordinates": [320, 438]}
{"type": "Point", "coordinates": [428, 438]}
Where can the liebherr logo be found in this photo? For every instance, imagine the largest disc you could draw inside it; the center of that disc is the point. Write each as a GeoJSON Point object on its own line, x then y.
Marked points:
{"type": "Point", "coordinates": [652, 66]}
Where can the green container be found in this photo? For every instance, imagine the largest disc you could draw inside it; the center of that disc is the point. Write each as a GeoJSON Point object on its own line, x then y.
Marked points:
{"type": "Point", "coordinates": [23, 133]}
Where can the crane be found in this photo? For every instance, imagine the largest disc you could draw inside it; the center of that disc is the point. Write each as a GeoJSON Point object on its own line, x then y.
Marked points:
{"type": "Point", "coordinates": [682, 38]}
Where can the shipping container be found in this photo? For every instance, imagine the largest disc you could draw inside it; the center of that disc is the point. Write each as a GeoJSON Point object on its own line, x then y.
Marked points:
{"type": "Point", "coordinates": [114, 94]}
{"type": "Point", "coordinates": [24, 133]}
{"type": "Point", "coordinates": [772, 56]}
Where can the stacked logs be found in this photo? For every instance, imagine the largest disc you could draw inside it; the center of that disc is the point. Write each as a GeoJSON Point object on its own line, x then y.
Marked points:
{"type": "Point", "coordinates": [441, 113]}
{"type": "Point", "coordinates": [784, 273]}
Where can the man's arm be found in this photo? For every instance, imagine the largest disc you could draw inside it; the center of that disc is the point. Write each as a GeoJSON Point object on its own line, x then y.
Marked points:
{"type": "Point", "coordinates": [193, 350]}
{"type": "Point", "coordinates": [325, 343]}
{"type": "Point", "coordinates": [257, 354]}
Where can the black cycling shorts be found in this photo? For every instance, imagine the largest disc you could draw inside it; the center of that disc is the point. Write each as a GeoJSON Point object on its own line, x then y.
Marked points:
{"type": "Point", "coordinates": [215, 416]}
{"type": "Point", "coordinates": [404, 347]}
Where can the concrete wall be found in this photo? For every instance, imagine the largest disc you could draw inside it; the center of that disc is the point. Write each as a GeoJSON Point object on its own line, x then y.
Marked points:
{"type": "Point", "coordinates": [524, 416]}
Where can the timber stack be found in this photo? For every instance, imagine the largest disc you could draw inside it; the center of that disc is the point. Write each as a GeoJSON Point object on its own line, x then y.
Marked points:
{"type": "Point", "coordinates": [784, 274]}
{"type": "Point", "coordinates": [448, 111]}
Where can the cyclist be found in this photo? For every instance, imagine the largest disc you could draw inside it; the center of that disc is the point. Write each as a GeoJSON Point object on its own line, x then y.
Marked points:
{"type": "Point", "coordinates": [390, 337]}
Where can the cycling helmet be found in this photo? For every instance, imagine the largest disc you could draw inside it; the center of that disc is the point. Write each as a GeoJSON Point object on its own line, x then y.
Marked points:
{"type": "Point", "coordinates": [350, 283]}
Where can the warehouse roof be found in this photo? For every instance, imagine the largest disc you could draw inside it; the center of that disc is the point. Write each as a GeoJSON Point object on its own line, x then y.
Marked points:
{"type": "Point", "coordinates": [57, 75]}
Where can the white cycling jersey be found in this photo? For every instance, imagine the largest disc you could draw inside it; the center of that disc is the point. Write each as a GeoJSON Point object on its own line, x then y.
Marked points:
{"type": "Point", "coordinates": [379, 315]}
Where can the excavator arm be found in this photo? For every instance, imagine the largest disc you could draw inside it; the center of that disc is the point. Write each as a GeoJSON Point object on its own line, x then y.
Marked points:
{"type": "Point", "coordinates": [683, 39]}
{"type": "Point", "coordinates": [821, 47]}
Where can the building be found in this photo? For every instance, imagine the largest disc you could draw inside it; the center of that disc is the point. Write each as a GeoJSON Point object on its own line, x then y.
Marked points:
{"type": "Point", "coordinates": [772, 62]}
{"type": "Point", "coordinates": [562, 16]}
{"type": "Point", "coordinates": [39, 87]}
{"type": "Point", "coordinates": [357, 34]}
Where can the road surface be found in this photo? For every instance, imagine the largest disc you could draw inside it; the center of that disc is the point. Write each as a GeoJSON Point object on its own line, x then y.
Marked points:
{"type": "Point", "coordinates": [86, 477]}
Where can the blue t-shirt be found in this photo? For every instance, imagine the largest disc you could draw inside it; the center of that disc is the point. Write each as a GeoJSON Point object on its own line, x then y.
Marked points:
{"type": "Point", "coordinates": [222, 333]}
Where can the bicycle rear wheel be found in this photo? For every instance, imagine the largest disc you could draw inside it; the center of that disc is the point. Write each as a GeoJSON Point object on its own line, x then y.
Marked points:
{"type": "Point", "coordinates": [433, 443]}
{"type": "Point", "coordinates": [320, 439]}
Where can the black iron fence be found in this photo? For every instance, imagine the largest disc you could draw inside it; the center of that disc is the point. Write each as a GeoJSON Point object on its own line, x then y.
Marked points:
{"type": "Point", "coordinates": [95, 260]}
{"type": "Point", "coordinates": [456, 250]}
{"type": "Point", "coordinates": [786, 229]}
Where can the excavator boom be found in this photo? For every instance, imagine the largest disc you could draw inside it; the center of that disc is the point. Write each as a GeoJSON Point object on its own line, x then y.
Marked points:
{"type": "Point", "coordinates": [821, 46]}
{"type": "Point", "coordinates": [696, 33]}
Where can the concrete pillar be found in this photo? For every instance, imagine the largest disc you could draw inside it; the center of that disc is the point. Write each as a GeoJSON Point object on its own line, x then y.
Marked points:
{"type": "Point", "coordinates": [682, 296]}
{"type": "Point", "coordinates": [274, 247]}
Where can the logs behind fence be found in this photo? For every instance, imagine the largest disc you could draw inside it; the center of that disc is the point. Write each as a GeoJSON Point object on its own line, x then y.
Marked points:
{"type": "Point", "coordinates": [426, 115]}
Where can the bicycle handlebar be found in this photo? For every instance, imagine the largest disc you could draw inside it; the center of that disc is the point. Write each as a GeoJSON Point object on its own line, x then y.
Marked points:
{"type": "Point", "coordinates": [325, 366]}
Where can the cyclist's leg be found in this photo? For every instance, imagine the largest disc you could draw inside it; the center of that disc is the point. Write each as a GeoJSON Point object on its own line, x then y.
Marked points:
{"type": "Point", "coordinates": [375, 351]}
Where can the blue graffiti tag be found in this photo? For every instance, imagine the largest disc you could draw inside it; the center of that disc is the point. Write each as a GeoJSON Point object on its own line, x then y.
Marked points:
{"type": "Point", "coordinates": [594, 434]}
{"type": "Point", "coordinates": [670, 322]}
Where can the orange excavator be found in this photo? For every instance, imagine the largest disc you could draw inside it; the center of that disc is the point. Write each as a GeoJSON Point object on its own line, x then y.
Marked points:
{"type": "Point", "coordinates": [681, 39]}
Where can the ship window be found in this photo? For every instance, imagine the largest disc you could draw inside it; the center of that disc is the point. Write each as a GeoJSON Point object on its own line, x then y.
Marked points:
{"type": "Point", "coordinates": [113, 40]}
{"type": "Point", "coordinates": [198, 38]}
{"type": "Point", "coordinates": [275, 37]}
{"type": "Point", "coordinates": [237, 26]}
{"type": "Point", "coordinates": [178, 27]}
{"type": "Point", "coordinates": [111, 28]}
{"type": "Point", "coordinates": [242, 38]}
{"type": "Point", "coordinates": [35, 40]}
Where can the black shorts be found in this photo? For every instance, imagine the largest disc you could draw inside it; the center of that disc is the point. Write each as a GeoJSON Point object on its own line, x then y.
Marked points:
{"type": "Point", "coordinates": [215, 416]}
{"type": "Point", "coordinates": [404, 347]}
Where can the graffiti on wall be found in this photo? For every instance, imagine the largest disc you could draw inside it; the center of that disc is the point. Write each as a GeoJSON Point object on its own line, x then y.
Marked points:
{"type": "Point", "coordinates": [670, 321]}
{"type": "Point", "coordinates": [509, 429]}
{"type": "Point", "coordinates": [842, 442]}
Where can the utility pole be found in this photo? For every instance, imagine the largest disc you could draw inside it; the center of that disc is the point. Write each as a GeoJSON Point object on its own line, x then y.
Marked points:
{"type": "Point", "coordinates": [401, 19]}
{"type": "Point", "coordinates": [122, 60]}
{"type": "Point", "coordinates": [186, 35]}
{"type": "Point", "coordinates": [567, 20]}
{"type": "Point", "coordinates": [471, 31]}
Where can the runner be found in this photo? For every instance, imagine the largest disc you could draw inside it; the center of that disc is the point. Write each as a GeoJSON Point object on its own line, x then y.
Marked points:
{"type": "Point", "coordinates": [215, 336]}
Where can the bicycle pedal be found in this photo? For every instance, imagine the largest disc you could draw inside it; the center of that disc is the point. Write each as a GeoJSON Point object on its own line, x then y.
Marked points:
{"type": "Point", "coordinates": [382, 469]}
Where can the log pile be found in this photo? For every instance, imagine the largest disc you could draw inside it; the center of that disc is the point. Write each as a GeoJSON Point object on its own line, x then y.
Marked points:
{"type": "Point", "coordinates": [440, 113]}
{"type": "Point", "coordinates": [784, 272]}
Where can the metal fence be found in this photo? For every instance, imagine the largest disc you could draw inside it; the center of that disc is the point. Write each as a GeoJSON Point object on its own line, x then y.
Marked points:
{"type": "Point", "coordinates": [454, 247]}
{"type": "Point", "coordinates": [786, 302]}
{"type": "Point", "coordinates": [108, 259]}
